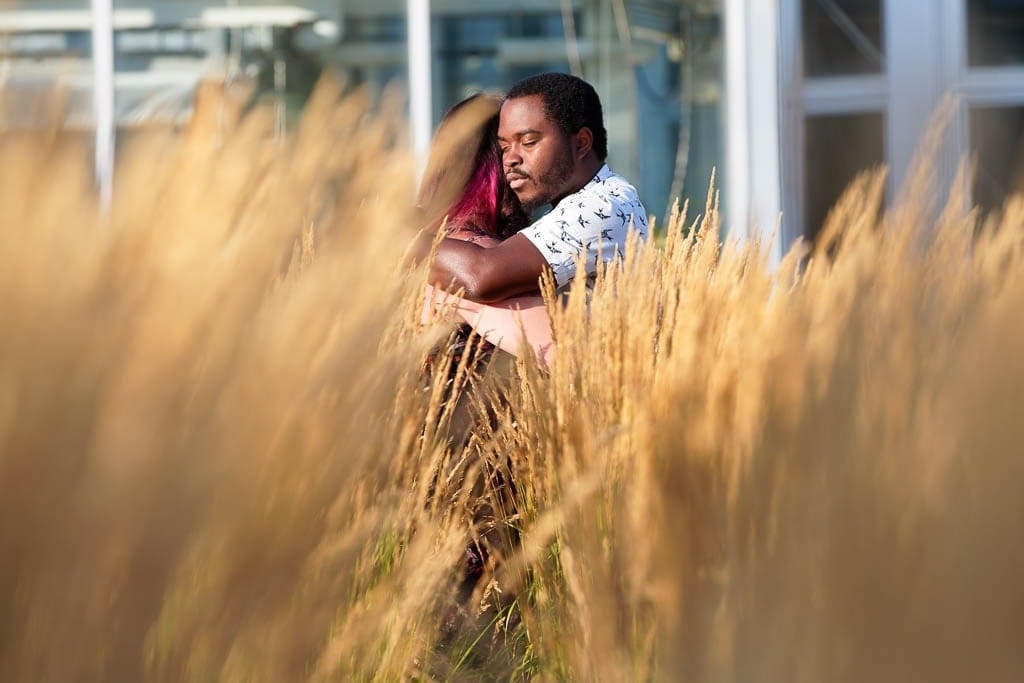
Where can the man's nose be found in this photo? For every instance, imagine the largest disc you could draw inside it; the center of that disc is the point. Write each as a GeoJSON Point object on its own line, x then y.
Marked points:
{"type": "Point", "coordinates": [511, 158]}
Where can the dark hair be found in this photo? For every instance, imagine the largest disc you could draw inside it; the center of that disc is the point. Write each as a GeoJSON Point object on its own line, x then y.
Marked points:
{"type": "Point", "coordinates": [464, 179]}
{"type": "Point", "coordinates": [570, 102]}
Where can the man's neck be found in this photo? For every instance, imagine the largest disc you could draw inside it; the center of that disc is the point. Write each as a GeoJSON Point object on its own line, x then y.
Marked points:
{"type": "Point", "coordinates": [591, 165]}
{"type": "Point", "coordinates": [583, 174]}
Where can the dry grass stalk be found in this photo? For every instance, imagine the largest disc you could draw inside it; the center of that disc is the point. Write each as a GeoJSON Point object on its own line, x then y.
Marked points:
{"type": "Point", "coordinates": [219, 459]}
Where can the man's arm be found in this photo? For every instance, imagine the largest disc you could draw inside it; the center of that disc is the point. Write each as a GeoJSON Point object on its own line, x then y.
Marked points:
{"type": "Point", "coordinates": [487, 275]}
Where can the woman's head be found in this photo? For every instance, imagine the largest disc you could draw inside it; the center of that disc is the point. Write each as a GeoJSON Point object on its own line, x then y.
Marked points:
{"type": "Point", "coordinates": [464, 179]}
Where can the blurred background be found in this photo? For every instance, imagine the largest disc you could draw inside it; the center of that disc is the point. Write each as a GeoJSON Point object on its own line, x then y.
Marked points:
{"type": "Point", "coordinates": [788, 99]}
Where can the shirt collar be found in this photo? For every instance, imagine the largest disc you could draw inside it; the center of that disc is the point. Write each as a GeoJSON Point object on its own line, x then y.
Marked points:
{"type": "Point", "coordinates": [603, 174]}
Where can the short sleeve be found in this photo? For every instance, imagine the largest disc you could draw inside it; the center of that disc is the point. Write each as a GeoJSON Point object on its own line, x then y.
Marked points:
{"type": "Point", "coordinates": [587, 226]}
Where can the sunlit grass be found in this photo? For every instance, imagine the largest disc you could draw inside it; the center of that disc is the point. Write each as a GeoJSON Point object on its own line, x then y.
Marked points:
{"type": "Point", "coordinates": [220, 460]}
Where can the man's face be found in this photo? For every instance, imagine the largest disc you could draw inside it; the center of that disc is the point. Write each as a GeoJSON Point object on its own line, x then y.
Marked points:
{"type": "Point", "coordinates": [536, 154]}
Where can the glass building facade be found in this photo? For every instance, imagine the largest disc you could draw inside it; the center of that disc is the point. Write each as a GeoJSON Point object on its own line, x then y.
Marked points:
{"type": "Point", "coordinates": [657, 64]}
{"type": "Point", "coordinates": [788, 99]}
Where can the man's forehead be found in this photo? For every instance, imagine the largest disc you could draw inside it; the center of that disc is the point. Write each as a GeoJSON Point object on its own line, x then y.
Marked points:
{"type": "Point", "coordinates": [523, 113]}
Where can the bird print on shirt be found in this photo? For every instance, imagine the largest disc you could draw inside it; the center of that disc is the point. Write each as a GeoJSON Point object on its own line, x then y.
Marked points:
{"type": "Point", "coordinates": [592, 222]}
{"type": "Point", "coordinates": [569, 238]}
{"type": "Point", "coordinates": [552, 246]}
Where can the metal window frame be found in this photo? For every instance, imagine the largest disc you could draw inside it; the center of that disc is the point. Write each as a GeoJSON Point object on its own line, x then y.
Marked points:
{"type": "Point", "coordinates": [820, 96]}
{"type": "Point", "coordinates": [988, 86]}
{"type": "Point", "coordinates": [926, 59]}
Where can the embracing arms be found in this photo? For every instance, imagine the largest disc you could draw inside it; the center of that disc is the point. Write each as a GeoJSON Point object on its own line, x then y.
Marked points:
{"type": "Point", "coordinates": [516, 325]}
{"type": "Point", "coordinates": [487, 275]}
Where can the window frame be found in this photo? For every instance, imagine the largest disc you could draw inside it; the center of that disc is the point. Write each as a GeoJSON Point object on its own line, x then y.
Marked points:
{"type": "Point", "coordinates": [925, 47]}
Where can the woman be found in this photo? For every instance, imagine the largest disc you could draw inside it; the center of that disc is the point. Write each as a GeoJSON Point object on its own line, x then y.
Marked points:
{"type": "Point", "coordinates": [464, 193]}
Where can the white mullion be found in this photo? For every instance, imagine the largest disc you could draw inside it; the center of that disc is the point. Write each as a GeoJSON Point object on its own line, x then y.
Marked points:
{"type": "Point", "coordinates": [419, 56]}
{"type": "Point", "coordinates": [753, 184]}
{"type": "Point", "coordinates": [953, 33]}
{"type": "Point", "coordinates": [792, 138]}
{"type": "Point", "coordinates": [845, 95]}
{"type": "Point", "coordinates": [993, 86]}
{"type": "Point", "coordinates": [103, 96]}
{"type": "Point", "coordinates": [915, 57]}
{"type": "Point", "coordinates": [954, 39]}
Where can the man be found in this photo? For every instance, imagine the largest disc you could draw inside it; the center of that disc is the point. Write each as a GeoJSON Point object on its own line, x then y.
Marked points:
{"type": "Point", "coordinates": [553, 143]}
{"type": "Point", "coordinates": [553, 147]}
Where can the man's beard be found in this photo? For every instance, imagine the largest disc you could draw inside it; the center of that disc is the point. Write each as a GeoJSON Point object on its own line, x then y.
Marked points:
{"type": "Point", "coordinates": [552, 184]}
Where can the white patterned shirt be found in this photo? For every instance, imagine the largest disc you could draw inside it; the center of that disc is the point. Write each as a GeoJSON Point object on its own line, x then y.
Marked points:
{"type": "Point", "coordinates": [595, 219]}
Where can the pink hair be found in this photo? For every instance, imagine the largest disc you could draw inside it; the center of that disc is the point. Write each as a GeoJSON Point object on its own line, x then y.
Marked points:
{"type": "Point", "coordinates": [478, 206]}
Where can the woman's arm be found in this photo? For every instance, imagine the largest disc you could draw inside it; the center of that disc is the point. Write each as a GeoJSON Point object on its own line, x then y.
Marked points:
{"type": "Point", "coordinates": [514, 325]}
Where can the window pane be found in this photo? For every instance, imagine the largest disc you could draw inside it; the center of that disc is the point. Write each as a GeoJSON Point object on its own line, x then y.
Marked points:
{"type": "Point", "coordinates": [842, 37]}
{"type": "Point", "coordinates": [837, 149]}
{"type": "Point", "coordinates": [664, 131]}
{"type": "Point", "coordinates": [995, 32]}
{"type": "Point", "coordinates": [997, 143]}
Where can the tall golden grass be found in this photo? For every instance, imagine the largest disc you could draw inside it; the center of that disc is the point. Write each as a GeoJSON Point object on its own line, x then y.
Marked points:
{"type": "Point", "coordinates": [219, 458]}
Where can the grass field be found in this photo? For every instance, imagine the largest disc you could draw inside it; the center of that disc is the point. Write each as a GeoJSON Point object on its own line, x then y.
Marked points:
{"type": "Point", "coordinates": [219, 459]}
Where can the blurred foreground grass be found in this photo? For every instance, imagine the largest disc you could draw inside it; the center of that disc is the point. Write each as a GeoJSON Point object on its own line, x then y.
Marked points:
{"type": "Point", "coordinates": [219, 461]}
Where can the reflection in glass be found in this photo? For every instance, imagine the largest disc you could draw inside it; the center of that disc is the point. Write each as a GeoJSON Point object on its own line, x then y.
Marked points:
{"type": "Point", "coordinates": [995, 32]}
{"type": "Point", "coordinates": [665, 131]}
{"type": "Point", "coordinates": [842, 37]}
{"type": "Point", "coordinates": [837, 148]}
{"type": "Point", "coordinates": [997, 146]}
{"type": "Point", "coordinates": [475, 54]}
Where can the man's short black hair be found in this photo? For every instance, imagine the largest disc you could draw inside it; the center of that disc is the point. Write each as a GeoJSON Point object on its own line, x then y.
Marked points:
{"type": "Point", "coordinates": [570, 102]}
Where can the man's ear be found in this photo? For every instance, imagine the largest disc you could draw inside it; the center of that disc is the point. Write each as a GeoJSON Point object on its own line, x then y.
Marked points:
{"type": "Point", "coordinates": [584, 141]}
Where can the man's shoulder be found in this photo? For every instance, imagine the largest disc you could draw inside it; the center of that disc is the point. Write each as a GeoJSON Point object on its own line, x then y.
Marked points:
{"type": "Point", "coordinates": [610, 187]}
{"type": "Point", "coordinates": [607, 200]}
{"type": "Point", "coordinates": [622, 199]}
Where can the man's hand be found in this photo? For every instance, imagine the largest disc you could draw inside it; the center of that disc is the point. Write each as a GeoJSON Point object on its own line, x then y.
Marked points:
{"type": "Point", "coordinates": [490, 274]}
